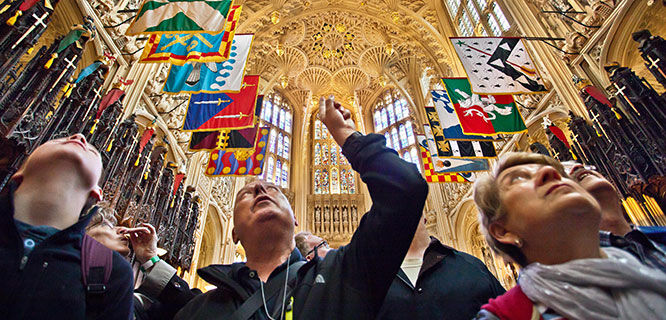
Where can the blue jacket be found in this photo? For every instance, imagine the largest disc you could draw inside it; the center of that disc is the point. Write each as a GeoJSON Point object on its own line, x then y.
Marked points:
{"type": "Point", "coordinates": [48, 284]}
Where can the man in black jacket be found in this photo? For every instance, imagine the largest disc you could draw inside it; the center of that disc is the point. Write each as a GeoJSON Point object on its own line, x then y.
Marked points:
{"type": "Point", "coordinates": [41, 230]}
{"type": "Point", "coordinates": [350, 282]}
{"type": "Point", "coordinates": [438, 282]}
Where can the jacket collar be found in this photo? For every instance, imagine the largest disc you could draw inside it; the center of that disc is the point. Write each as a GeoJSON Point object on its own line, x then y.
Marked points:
{"type": "Point", "coordinates": [225, 275]}
{"type": "Point", "coordinates": [434, 254]}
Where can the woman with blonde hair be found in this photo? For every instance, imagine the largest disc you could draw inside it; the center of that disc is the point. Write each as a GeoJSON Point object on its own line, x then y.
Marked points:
{"type": "Point", "coordinates": [531, 212]}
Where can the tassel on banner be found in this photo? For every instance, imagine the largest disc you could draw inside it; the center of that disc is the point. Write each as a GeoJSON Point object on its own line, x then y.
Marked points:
{"type": "Point", "coordinates": [108, 149]}
{"type": "Point", "coordinates": [92, 130]}
{"type": "Point", "coordinates": [136, 163]}
{"type": "Point", "coordinates": [11, 21]}
{"type": "Point", "coordinates": [50, 62]}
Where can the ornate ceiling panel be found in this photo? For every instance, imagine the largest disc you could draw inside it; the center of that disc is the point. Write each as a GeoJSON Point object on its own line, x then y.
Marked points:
{"type": "Point", "coordinates": [343, 46]}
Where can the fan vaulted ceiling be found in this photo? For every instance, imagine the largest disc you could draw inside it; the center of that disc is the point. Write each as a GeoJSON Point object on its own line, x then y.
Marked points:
{"type": "Point", "coordinates": [344, 47]}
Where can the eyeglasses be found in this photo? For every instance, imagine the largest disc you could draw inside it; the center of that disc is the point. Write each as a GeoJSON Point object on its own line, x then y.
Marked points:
{"type": "Point", "coordinates": [322, 243]}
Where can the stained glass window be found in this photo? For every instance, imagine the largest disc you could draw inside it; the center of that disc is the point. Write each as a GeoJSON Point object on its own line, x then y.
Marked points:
{"type": "Point", "coordinates": [285, 175]}
{"type": "Point", "coordinates": [387, 135]}
{"type": "Point", "coordinates": [324, 155]}
{"type": "Point", "coordinates": [351, 182]}
{"type": "Point", "coordinates": [478, 17]}
{"type": "Point", "coordinates": [282, 119]}
{"type": "Point", "coordinates": [394, 139]}
{"type": "Point", "coordinates": [317, 129]}
{"type": "Point", "coordinates": [287, 125]}
{"type": "Point", "coordinates": [343, 181]}
{"type": "Point", "coordinates": [398, 110]}
{"type": "Point", "coordinates": [391, 114]}
{"type": "Point", "coordinates": [271, 141]}
{"type": "Point", "coordinates": [324, 182]}
{"type": "Point", "coordinates": [415, 157]}
{"type": "Point", "coordinates": [334, 154]}
{"type": "Point", "coordinates": [399, 131]}
{"type": "Point", "coordinates": [278, 173]}
{"type": "Point", "coordinates": [335, 180]}
{"type": "Point", "coordinates": [384, 119]}
{"type": "Point", "coordinates": [403, 136]}
{"type": "Point", "coordinates": [332, 171]}
{"type": "Point", "coordinates": [280, 146]}
{"type": "Point", "coordinates": [378, 120]}
{"type": "Point", "coordinates": [317, 154]}
{"type": "Point", "coordinates": [317, 181]}
{"type": "Point", "coordinates": [285, 152]}
{"type": "Point", "coordinates": [410, 133]}
{"type": "Point", "coordinates": [270, 164]}
{"type": "Point", "coordinates": [276, 114]}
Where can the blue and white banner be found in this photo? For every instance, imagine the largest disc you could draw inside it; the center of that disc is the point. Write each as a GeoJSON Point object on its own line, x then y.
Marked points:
{"type": "Point", "coordinates": [212, 77]}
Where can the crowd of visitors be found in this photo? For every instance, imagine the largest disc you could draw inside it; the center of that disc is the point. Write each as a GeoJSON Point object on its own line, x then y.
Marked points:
{"type": "Point", "coordinates": [64, 257]}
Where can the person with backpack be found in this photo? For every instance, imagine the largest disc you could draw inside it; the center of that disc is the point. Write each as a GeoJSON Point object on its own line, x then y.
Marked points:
{"type": "Point", "coordinates": [51, 269]}
{"type": "Point", "coordinates": [350, 282]}
{"type": "Point", "coordinates": [161, 292]}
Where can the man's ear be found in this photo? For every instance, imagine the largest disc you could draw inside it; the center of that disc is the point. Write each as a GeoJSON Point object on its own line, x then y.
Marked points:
{"type": "Point", "coordinates": [234, 237]}
{"type": "Point", "coordinates": [499, 232]}
{"type": "Point", "coordinates": [96, 193]}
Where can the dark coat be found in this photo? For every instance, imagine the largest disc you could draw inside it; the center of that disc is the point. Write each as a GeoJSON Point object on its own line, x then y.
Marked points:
{"type": "Point", "coordinates": [451, 285]}
{"type": "Point", "coordinates": [351, 282]}
{"type": "Point", "coordinates": [50, 285]}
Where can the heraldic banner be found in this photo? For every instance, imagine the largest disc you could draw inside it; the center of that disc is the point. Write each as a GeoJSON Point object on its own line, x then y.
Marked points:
{"type": "Point", "coordinates": [239, 163]}
{"type": "Point", "coordinates": [498, 65]}
{"type": "Point", "coordinates": [212, 77]}
{"type": "Point", "coordinates": [227, 139]}
{"type": "Point", "coordinates": [211, 111]}
{"type": "Point", "coordinates": [447, 164]}
{"type": "Point", "coordinates": [192, 47]}
{"type": "Point", "coordinates": [180, 16]}
{"type": "Point", "coordinates": [483, 114]}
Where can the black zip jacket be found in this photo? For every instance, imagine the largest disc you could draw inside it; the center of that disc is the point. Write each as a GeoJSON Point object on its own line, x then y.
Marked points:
{"type": "Point", "coordinates": [47, 283]}
{"type": "Point", "coordinates": [351, 282]}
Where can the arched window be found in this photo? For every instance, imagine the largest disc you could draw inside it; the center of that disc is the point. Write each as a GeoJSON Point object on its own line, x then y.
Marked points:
{"type": "Point", "coordinates": [399, 130]}
{"type": "Point", "coordinates": [280, 146]}
{"type": "Point", "coordinates": [285, 175]}
{"type": "Point", "coordinates": [478, 17]}
{"type": "Point", "coordinates": [332, 173]}
{"type": "Point", "coordinates": [378, 121]}
{"type": "Point", "coordinates": [278, 173]}
{"type": "Point", "coordinates": [277, 114]}
{"type": "Point", "coordinates": [282, 121]}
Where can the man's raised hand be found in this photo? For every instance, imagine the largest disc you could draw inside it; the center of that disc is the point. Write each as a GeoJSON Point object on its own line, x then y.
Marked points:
{"type": "Point", "coordinates": [337, 119]}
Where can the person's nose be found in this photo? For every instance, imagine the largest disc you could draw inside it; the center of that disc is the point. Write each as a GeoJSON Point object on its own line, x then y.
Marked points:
{"type": "Point", "coordinates": [547, 174]}
{"type": "Point", "coordinates": [79, 137]}
{"type": "Point", "coordinates": [259, 189]}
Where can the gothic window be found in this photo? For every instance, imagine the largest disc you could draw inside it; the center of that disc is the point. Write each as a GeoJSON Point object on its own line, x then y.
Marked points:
{"type": "Point", "coordinates": [332, 173]}
{"type": "Point", "coordinates": [277, 114]}
{"type": "Point", "coordinates": [317, 154]}
{"type": "Point", "coordinates": [280, 146]}
{"type": "Point", "coordinates": [285, 152]}
{"type": "Point", "coordinates": [285, 175]}
{"type": "Point", "coordinates": [281, 123]}
{"type": "Point", "coordinates": [334, 154]}
{"type": "Point", "coordinates": [478, 17]}
{"type": "Point", "coordinates": [270, 164]}
{"type": "Point", "coordinates": [351, 182]}
{"type": "Point", "coordinates": [398, 129]}
{"type": "Point", "coordinates": [317, 181]}
{"type": "Point", "coordinates": [335, 180]}
{"type": "Point", "coordinates": [378, 119]}
{"type": "Point", "coordinates": [271, 141]}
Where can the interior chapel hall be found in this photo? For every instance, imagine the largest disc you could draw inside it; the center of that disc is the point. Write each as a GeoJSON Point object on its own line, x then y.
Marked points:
{"type": "Point", "coordinates": [393, 63]}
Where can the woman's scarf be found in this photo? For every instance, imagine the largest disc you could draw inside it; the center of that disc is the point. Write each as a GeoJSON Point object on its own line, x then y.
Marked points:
{"type": "Point", "coordinates": [619, 287]}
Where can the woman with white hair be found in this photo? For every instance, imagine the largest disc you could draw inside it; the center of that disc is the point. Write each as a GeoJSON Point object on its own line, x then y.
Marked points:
{"type": "Point", "coordinates": [532, 213]}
